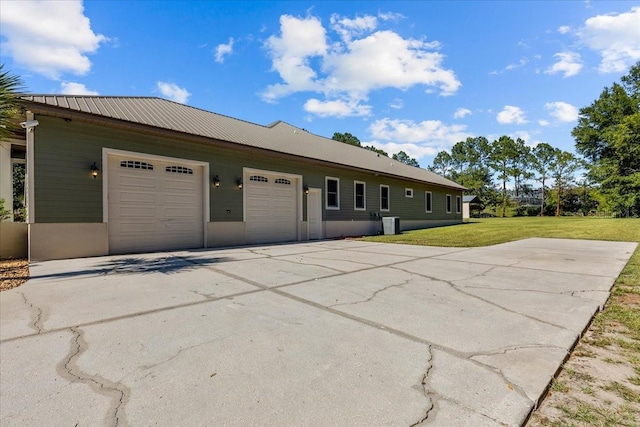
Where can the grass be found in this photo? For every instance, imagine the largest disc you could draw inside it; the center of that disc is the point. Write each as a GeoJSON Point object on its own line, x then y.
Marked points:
{"type": "Point", "coordinates": [616, 329]}
{"type": "Point", "coordinates": [491, 231]}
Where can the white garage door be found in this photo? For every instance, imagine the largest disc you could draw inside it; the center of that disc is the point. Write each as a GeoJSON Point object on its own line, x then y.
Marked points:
{"type": "Point", "coordinates": [154, 205]}
{"type": "Point", "coordinates": [270, 208]}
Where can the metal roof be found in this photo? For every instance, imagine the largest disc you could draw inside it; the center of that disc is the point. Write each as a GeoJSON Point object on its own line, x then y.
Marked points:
{"type": "Point", "coordinates": [279, 137]}
{"type": "Point", "coordinates": [470, 199]}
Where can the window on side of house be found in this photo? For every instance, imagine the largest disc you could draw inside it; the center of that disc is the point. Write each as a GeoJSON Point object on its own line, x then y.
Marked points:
{"type": "Point", "coordinates": [448, 203]}
{"type": "Point", "coordinates": [359, 196]}
{"type": "Point", "coordinates": [428, 202]}
{"type": "Point", "coordinates": [384, 197]}
{"type": "Point", "coordinates": [408, 192]}
{"type": "Point", "coordinates": [458, 204]}
{"type": "Point", "coordinates": [332, 188]}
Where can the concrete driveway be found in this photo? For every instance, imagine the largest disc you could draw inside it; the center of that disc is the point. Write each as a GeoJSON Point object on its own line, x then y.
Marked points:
{"type": "Point", "coordinates": [331, 333]}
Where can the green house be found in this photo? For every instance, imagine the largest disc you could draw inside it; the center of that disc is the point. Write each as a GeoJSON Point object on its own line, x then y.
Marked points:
{"type": "Point", "coordinates": [113, 175]}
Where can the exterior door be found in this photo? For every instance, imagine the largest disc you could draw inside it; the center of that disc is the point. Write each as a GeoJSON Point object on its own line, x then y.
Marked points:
{"type": "Point", "coordinates": [314, 213]}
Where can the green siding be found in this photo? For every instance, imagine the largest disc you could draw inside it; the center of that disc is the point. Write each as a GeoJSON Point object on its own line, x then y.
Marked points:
{"type": "Point", "coordinates": [65, 192]}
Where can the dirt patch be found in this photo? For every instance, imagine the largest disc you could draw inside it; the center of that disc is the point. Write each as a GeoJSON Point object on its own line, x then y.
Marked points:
{"type": "Point", "coordinates": [600, 383]}
{"type": "Point", "coordinates": [13, 273]}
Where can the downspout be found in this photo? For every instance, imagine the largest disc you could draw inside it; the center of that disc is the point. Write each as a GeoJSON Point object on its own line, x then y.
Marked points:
{"type": "Point", "coordinates": [29, 172]}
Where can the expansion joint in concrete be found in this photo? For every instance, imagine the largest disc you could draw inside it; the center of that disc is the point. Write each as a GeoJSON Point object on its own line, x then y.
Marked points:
{"type": "Point", "coordinates": [117, 392]}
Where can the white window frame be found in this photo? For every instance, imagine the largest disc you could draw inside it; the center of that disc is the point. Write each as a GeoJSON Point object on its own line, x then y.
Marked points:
{"type": "Point", "coordinates": [458, 204]}
{"type": "Point", "coordinates": [355, 196]}
{"type": "Point", "coordinates": [448, 203]}
{"type": "Point", "coordinates": [428, 208]}
{"type": "Point", "coordinates": [408, 192]}
{"type": "Point", "coordinates": [326, 193]}
{"type": "Point", "coordinates": [388, 198]}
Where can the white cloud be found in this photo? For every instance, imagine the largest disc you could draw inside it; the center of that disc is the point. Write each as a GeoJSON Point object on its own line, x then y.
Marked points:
{"type": "Point", "coordinates": [562, 111]}
{"type": "Point", "coordinates": [224, 49]}
{"type": "Point", "coordinates": [564, 29]}
{"type": "Point", "coordinates": [48, 37]}
{"type": "Point", "coordinates": [349, 28]}
{"type": "Point", "coordinates": [615, 37]}
{"type": "Point", "coordinates": [390, 16]}
{"type": "Point", "coordinates": [359, 62]}
{"type": "Point", "coordinates": [425, 138]}
{"type": "Point", "coordinates": [511, 114]}
{"type": "Point", "coordinates": [72, 88]}
{"type": "Point", "coordinates": [569, 63]}
{"type": "Point", "coordinates": [526, 137]}
{"type": "Point", "coordinates": [336, 108]}
{"type": "Point", "coordinates": [461, 113]}
{"type": "Point", "coordinates": [173, 92]}
{"type": "Point", "coordinates": [543, 122]}
{"type": "Point", "coordinates": [397, 104]}
{"type": "Point", "coordinates": [300, 40]}
{"type": "Point", "coordinates": [521, 63]}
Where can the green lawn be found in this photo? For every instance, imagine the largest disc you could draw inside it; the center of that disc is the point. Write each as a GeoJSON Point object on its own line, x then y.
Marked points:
{"type": "Point", "coordinates": [483, 232]}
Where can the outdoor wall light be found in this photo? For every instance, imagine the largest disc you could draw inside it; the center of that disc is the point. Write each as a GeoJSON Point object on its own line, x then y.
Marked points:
{"type": "Point", "coordinates": [216, 181]}
{"type": "Point", "coordinates": [239, 183]}
{"type": "Point", "coordinates": [94, 170]}
{"type": "Point", "coordinates": [306, 189]}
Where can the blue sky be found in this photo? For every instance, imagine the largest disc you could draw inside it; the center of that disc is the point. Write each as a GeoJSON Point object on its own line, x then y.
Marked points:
{"type": "Point", "coordinates": [413, 76]}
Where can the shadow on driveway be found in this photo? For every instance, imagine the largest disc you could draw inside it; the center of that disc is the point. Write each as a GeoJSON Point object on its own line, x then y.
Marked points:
{"type": "Point", "coordinates": [134, 265]}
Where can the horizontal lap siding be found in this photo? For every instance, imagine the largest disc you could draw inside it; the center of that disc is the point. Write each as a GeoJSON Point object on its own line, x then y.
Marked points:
{"type": "Point", "coordinates": [65, 191]}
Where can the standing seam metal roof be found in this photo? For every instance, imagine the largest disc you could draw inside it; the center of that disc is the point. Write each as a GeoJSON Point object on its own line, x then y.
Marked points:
{"type": "Point", "coordinates": [279, 136]}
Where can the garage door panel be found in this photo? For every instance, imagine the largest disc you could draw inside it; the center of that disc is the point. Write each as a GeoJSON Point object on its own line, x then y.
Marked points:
{"type": "Point", "coordinates": [137, 181]}
{"type": "Point", "coordinates": [154, 205]}
{"type": "Point", "coordinates": [186, 186]}
{"type": "Point", "coordinates": [134, 227]}
{"type": "Point", "coordinates": [270, 208]}
{"type": "Point", "coordinates": [139, 197]}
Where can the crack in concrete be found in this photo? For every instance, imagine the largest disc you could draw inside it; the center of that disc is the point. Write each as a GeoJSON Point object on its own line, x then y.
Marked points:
{"type": "Point", "coordinates": [375, 294]}
{"type": "Point", "coordinates": [425, 391]}
{"type": "Point", "coordinates": [37, 317]}
{"type": "Point", "coordinates": [486, 301]}
{"type": "Point", "coordinates": [513, 348]}
{"type": "Point", "coordinates": [117, 392]}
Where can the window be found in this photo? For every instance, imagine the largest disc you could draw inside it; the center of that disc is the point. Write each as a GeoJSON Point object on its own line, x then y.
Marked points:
{"type": "Point", "coordinates": [283, 181]}
{"type": "Point", "coordinates": [448, 203]}
{"type": "Point", "coordinates": [332, 186]}
{"type": "Point", "coordinates": [408, 192]}
{"type": "Point", "coordinates": [258, 178]}
{"type": "Point", "coordinates": [359, 198]}
{"type": "Point", "coordinates": [134, 164]}
{"type": "Point", "coordinates": [384, 197]}
{"type": "Point", "coordinates": [458, 204]}
{"type": "Point", "coordinates": [179, 169]}
{"type": "Point", "coordinates": [428, 207]}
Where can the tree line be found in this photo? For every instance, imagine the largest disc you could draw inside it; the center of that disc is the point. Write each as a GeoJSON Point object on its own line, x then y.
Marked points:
{"type": "Point", "coordinates": [347, 138]}
{"type": "Point", "coordinates": [508, 173]}
{"type": "Point", "coordinates": [607, 138]}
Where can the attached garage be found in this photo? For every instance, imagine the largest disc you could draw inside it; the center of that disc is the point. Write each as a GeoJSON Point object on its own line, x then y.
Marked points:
{"type": "Point", "coordinates": [271, 206]}
{"type": "Point", "coordinates": [154, 203]}
{"type": "Point", "coordinates": [117, 175]}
